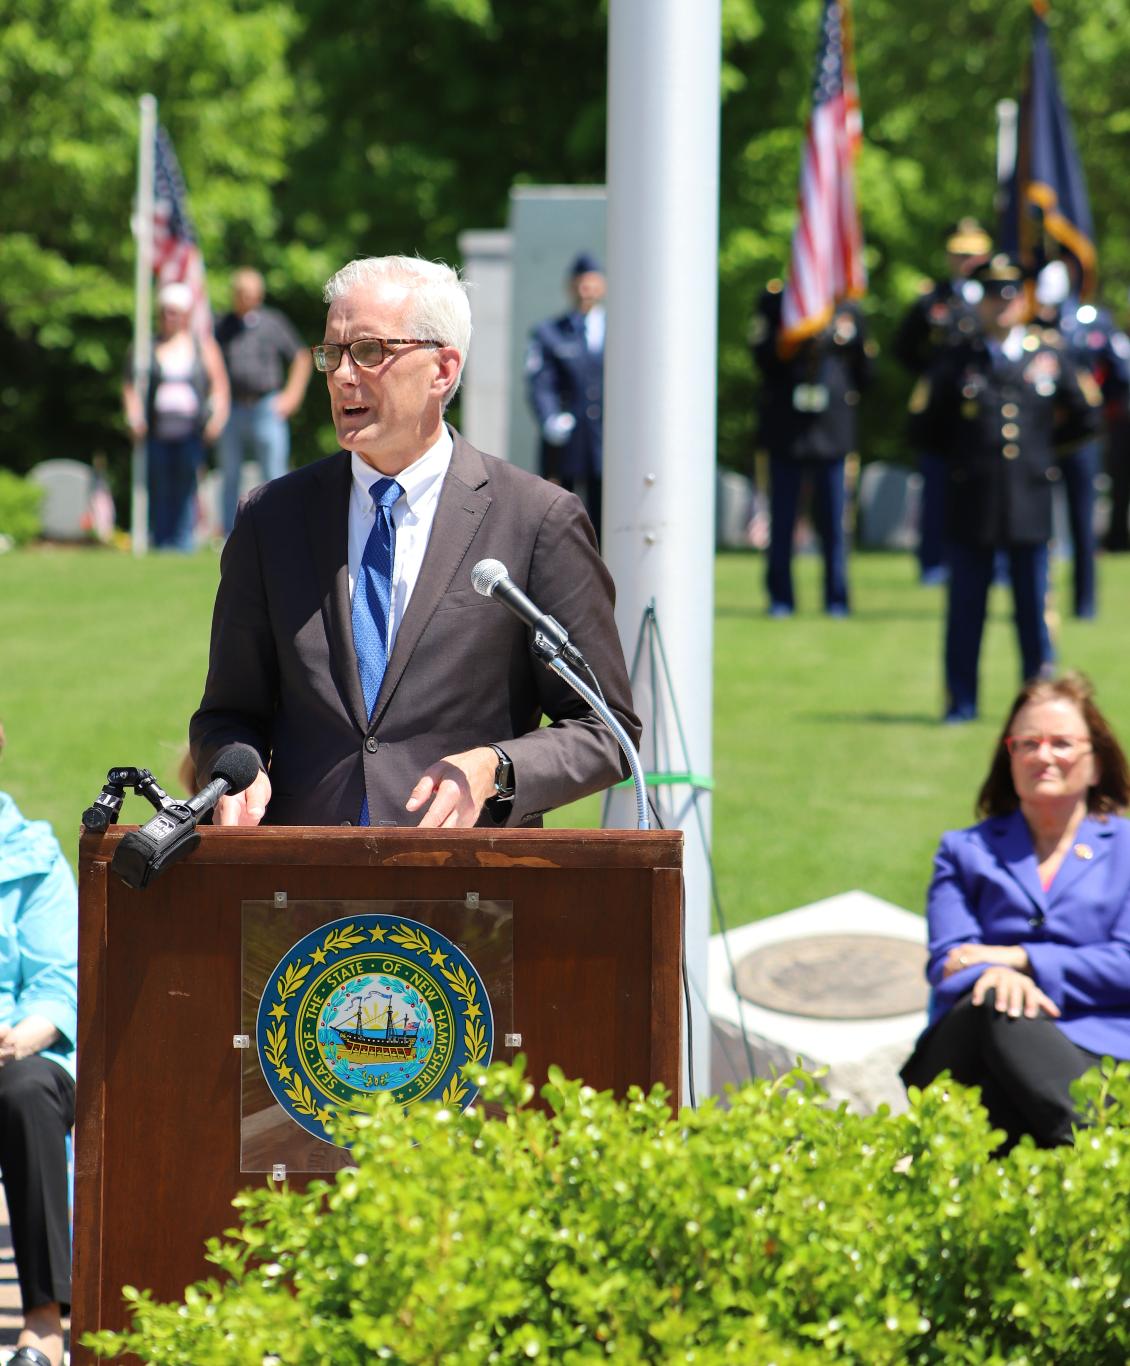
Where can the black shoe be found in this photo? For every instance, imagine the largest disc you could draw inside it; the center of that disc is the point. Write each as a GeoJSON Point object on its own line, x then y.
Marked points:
{"type": "Point", "coordinates": [29, 1356]}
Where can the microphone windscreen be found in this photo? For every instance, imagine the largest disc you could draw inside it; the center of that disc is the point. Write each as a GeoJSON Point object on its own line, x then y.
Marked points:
{"type": "Point", "coordinates": [238, 765]}
{"type": "Point", "coordinates": [486, 574]}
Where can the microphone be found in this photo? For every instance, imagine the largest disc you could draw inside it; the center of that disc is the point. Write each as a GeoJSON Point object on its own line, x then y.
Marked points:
{"type": "Point", "coordinates": [172, 833]}
{"type": "Point", "coordinates": [492, 579]}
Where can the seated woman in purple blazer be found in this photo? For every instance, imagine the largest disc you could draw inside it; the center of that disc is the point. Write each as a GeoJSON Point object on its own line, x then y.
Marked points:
{"type": "Point", "coordinates": [1029, 919]}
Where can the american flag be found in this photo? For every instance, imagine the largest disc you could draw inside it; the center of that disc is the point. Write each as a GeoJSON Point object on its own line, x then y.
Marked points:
{"type": "Point", "coordinates": [176, 252]}
{"type": "Point", "coordinates": [826, 264]}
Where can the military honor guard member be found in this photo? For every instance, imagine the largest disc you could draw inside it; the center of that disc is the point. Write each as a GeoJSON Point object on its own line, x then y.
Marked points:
{"type": "Point", "coordinates": [943, 314]}
{"type": "Point", "coordinates": [565, 387]}
{"type": "Point", "coordinates": [999, 406]}
{"type": "Point", "coordinates": [1097, 346]}
{"type": "Point", "coordinates": [808, 424]}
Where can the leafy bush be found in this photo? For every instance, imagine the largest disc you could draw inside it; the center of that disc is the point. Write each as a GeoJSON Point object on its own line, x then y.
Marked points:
{"type": "Point", "coordinates": [777, 1231]}
{"type": "Point", "coordinates": [19, 508]}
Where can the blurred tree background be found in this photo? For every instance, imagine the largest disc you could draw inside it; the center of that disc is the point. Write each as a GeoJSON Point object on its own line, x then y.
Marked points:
{"type": "Point", "coordinates": [309, 133]}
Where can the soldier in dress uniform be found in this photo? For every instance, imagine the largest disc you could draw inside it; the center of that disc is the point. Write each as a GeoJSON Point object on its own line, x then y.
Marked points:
{"type": "Point", "coordinates": [1094, 343]}
{"type": "Point", "coordinates": [998, 406]}
{"type": "Point", "coordinates": [565, 387]}
{"type": "Point", "coordinates": [943, 314]}
{"type": "Point", "coordinates": [808, 424]}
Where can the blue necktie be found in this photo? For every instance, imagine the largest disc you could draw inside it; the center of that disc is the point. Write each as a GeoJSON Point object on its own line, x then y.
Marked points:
{"type": "Point", "coordinates": [371, 598]}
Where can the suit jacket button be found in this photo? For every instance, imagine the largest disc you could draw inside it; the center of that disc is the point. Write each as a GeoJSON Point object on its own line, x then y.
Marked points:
{"type": "Point", "coordinates": [347, 822]}
{"type": "Point", "coordinates": [371, 743]}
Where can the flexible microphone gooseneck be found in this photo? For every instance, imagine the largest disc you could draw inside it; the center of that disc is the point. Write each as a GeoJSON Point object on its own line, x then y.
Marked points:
{"type": "Point", "coordinates": [551, 644]}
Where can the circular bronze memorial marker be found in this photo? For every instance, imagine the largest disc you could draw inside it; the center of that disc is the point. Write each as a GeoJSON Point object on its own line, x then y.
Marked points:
{"type": "Point", "coordinates": [836, 976]}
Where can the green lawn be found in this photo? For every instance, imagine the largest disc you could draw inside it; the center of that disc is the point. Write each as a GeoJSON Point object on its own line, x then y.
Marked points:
{"type": "Point", "coordinates": [832, 770]}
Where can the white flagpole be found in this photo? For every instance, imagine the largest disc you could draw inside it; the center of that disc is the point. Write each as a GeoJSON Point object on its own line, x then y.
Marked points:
{"type": "Point", "coordinates": [664, 59]}
{"type": "Point", "coordinates": [142, 314]}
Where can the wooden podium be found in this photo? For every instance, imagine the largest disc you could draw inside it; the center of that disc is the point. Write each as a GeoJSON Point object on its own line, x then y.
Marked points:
{"type": "Point", "coordinates": [594, 926]}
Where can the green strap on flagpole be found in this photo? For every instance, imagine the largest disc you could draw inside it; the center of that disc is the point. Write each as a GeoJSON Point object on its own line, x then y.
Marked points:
{"type": "Point", "coordinates": [697, 780]}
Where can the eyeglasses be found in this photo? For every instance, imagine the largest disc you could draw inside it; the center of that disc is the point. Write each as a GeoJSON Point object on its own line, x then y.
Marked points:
{"type": "Point", "coordinates": [367, 352]}
{"type": "Point", "coordinates": [1061, 746]}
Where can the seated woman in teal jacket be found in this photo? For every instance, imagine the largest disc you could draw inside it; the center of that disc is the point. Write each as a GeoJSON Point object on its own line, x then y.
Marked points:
{"type": "Point", "coordinates": [38, 971]}
{"type": "Point", "coordinates": [1029, 919]}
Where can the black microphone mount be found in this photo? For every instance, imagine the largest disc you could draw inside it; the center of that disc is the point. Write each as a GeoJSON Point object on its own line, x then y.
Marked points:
{"type": "Point", "coordinates": [103, 811]}
{"type": "Point", "coordinates": [171, 834]}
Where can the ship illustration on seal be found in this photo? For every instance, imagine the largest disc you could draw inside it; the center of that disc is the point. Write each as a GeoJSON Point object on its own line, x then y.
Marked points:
{"type": "Point", "coordinates": [388, 1043]}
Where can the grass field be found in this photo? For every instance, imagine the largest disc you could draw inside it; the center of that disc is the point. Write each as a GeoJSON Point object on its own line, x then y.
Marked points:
{"type": "Point", "coordinates": [831, 768]}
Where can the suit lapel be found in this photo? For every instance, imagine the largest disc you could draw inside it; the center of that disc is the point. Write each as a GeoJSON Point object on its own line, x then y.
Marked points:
{"type": "Point", "coordinates": [463, 502]}
{"type": "Point", "coordinates": [1088, 850]}
{"type": "Point", "coordinates": [327, 518]}
{"type": "Point", "coordinates": [1011, 844]}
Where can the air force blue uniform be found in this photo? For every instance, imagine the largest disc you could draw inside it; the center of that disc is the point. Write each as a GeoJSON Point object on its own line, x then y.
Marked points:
{"type": "Point", "coordinates": [565, 374]}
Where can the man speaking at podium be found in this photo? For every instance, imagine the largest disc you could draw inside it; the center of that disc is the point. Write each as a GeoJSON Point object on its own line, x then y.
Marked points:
{"type": "Point", "coordinates": [349, 649]}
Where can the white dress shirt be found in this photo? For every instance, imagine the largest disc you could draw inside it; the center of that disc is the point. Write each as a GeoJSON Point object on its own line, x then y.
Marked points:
{"type": "Point", "coordinates": [413, 515]}
{"type": "Point", "coordinates": [594, 328]}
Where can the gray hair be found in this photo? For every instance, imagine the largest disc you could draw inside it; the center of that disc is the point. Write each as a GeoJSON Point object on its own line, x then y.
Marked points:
{"type": "Point", "coordinates": [438, 308]}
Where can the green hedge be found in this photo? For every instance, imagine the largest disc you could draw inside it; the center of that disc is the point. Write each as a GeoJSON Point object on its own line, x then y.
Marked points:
{"type": "Point", "coordinates": [775, 1231]}
{"type": "Point", "coordinates": [20, 501]}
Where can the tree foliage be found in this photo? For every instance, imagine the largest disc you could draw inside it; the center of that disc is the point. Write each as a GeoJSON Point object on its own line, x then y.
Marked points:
{"type": "Point", "coordinates": [309, 133]}
{"type": "Point", "coordinates": [71, 74]}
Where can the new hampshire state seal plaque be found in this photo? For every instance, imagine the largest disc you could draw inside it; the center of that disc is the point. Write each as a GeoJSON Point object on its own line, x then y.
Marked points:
{"type": "Point", "coordinates": [371, 1003]}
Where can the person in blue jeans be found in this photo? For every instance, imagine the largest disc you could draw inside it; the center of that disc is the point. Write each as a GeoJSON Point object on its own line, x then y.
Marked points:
{"type": "Point", "coordinates": [38, 1026]}
{"type": "Point", "coordinates": [258, 345]}
{"type": "Point", "coordinates": [185, 406]}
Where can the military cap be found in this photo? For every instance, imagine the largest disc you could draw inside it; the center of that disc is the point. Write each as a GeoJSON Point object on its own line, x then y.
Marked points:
{"type": "Point", "coordinates": [584, 263]}
{"type": "Point", "coordinates": [999, 275]}
{"type": "Point", "coordinates": [968, 238]}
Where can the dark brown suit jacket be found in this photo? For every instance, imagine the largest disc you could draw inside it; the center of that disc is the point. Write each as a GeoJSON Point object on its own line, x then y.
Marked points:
{"type": "Point", "coordinates": [282, 673]}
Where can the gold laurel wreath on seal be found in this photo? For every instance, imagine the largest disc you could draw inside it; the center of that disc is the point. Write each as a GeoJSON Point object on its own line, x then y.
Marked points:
{"type": "Point", "coordinates": [474, 1034]}
{"type": "Point", "coordinates": [409, 937]}
{"type": "Point", "coordinates": [295, 1089]}
{"type": "Point", "coordinates": [297, 1092]}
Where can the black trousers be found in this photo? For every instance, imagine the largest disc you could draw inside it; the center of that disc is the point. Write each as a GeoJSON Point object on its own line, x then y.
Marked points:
{"type": "Point", "coordinates": [1023, 1067]}
{"type": "Point", "coordinates": [37, 1110]}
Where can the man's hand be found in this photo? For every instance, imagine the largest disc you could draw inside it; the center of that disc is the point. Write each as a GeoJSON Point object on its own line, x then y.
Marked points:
{"type": "Point", "coordinates": [213, 428]}
{"type": "Point", "coordinates": [1016, 994]}
{"type": "Point", "coordinates": [457, 787]}
{"type": "Point", "coordinates": [999, 955]}
{"type": "Point", "coordinates": [247, 807]}
{"type": "Point", "coordinates": [285, 404]}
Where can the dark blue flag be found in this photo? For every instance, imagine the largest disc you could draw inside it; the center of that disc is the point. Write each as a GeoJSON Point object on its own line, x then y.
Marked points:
{"type": "Point", "coordinates": [1046, 196]}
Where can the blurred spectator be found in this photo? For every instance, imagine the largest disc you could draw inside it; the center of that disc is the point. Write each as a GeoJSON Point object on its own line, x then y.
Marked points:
{"type": "Point", "coordinates": [944, 313]}
{"type": "Point", "coordinates": [257, 343]}
{"type": "Point", "coordinates": [187, 405]}
{"type": "Point", "coordinates": [38, 993]}
{"type": "Point", "coordinates": [808, 424]}
{"type": "Point", "coordinates": [1095, 344]}
{"type": "Point", "coordinates": [565, 386]}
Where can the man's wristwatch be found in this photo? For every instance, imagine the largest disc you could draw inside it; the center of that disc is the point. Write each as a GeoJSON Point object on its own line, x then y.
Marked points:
{"type": "Point", "coordinates": [503, 776]}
